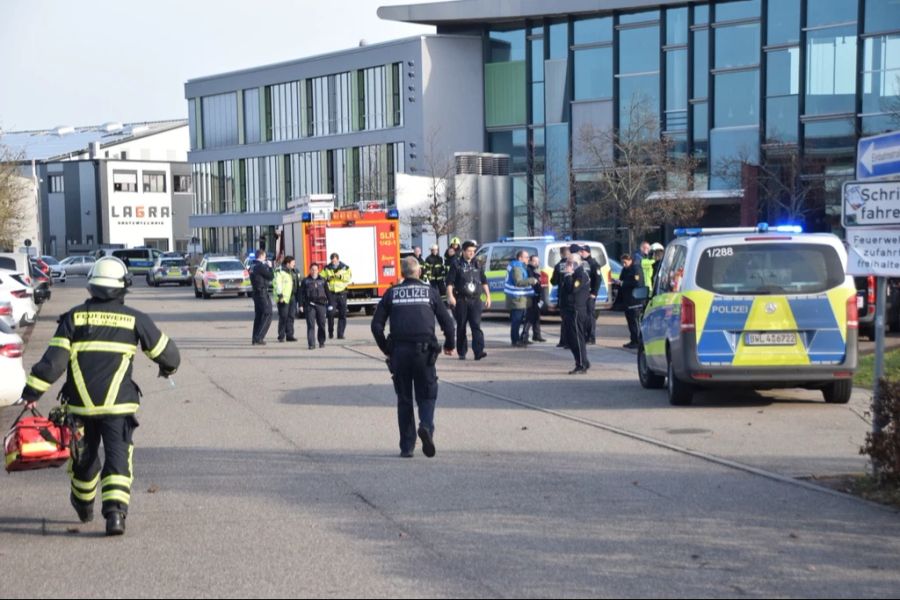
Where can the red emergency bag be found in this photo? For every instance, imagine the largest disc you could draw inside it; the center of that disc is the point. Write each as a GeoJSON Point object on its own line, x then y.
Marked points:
{"type": "Point", "coordinates": [35, 442]}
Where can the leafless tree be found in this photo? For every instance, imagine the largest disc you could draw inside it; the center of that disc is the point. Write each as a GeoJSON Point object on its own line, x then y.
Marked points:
{"type": "Point", "coordinates": [443, 212]}
{"type": "Point", "coordinates": [12, 190]}
{"type": "Point", "coordinates": [630, 165]}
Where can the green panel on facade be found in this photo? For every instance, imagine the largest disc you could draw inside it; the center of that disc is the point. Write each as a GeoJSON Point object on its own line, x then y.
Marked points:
{"type": "Point", "coordinates": [504, 94]}
{"type": "Point", "coordinates": [354, 100]}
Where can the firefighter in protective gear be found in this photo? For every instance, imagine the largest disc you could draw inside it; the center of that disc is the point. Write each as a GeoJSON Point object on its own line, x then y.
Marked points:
{"type": "Point", "coordinates": [95, 344]}
{"type": "Point", "coordinates": [436, 270]}
{"type": "Point", "coordinates": [337, 277]}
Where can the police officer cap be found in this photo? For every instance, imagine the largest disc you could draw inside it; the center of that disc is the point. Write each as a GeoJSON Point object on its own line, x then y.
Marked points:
{"type": "Point", "coordinates": [585, 248]}
{"type": "Point", "coordinates": [574, 248]}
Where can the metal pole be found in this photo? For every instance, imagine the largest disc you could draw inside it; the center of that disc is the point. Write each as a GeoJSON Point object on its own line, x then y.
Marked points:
{"type": "Point", "coordinates": [878, 416]}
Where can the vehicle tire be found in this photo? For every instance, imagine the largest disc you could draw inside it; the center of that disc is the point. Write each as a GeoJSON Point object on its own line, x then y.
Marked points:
{"type": "Point", "coordinates": [868, 332]}
{"type": "Point", "coordinates": [649, 379]}
{"type": "Point", "coordinates": [206, 295]}
{"type": "Point", "coordinates": [354, 309]}
{"type": "Point", "coordinates": [370, 310]}
{"type": "Point", "coordinates": [196, 293]}
{"type": "Point", "coordinates": [838, 392]}
{"type": "Point", "coordinates": [680, 393]}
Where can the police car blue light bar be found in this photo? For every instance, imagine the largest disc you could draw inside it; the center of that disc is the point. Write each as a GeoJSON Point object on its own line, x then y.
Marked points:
{"type": "Point", "coordinates": [393, 214]}
{"type": "Point", "coordinates": [761, 228]}
{"type": "Point", "coordinates": [306, 217]}
{"type": "Point", "coordinates": [789, 229]}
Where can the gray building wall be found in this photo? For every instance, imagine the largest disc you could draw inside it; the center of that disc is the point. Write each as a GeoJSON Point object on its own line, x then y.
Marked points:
{"type": "Point", "coordinates": [70, 219]}
{"type": "Point", "coordinates": [182, 204]}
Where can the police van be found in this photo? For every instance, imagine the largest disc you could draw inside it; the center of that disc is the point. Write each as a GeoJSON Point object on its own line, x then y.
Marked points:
{"type": "Point", "coordinates": [751, 307]}
{"type": "Point", "coordinates": [495, 257]}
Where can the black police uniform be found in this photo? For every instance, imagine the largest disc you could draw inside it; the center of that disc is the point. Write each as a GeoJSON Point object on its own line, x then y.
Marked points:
{"type": "Point", "coordinates": [468, 279]}
{"type": "Point", "coordinates": [94, 345]}
{"type": "Point", "coordinates": [260, 278]}
{"type": "Point", "coordinates": [412, 351]}
{"type": "Point", "coordinates": [593, 268]}
{"type": "Point", "coordinates": [314, 299]}
{"type": "Point", "coordinates": [574, 292]}
{"type": "Point", "coordinates": [632, 277]}
{"type": "Point", "coordinates": [556, 279]}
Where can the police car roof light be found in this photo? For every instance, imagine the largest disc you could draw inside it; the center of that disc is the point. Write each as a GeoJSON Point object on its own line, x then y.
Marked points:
{"type": "Point", "coordinates": [393, 214]}
{"type": "Point", "coordinates": [306, 217]}
{"type": "Point", "coordinates": [697, 231]}
{"type": "Point", "coordinates": [789, 229]}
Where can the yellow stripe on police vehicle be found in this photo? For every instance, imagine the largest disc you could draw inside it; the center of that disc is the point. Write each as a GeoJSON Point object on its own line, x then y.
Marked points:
{"type": "Point", "coordinates": [753, 307]}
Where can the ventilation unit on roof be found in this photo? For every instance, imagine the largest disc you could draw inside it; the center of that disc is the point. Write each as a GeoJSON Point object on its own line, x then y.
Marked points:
{"type": "Point", "coordinates": [63, 130]}
{"type": "Point", "coordinates": [136, 129]}
{"type": "Point", "coordinates": [112, 127]}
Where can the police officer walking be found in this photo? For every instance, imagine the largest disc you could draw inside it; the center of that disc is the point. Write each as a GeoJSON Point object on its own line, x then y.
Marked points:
{"type": "Point", "coordinates": [96, 343]}
{"type": "Point", "coordinates": [314, 299]}
{"type": "Point", "coordinates": [412, 350]}
{"type": "Point", "coordinates": [338, 277]}
{"type": "Point", "coordinates": [260, 277]}
{"type": "Point", "coordinates": [286, 297]}
{"type": "Point", "coordinates": [574, 292]}
{"type": "Point", "coordinates": [590, 264]}
{"type": "Point", "coordinates": [436, 271]}
{"type": "Point", "coordinates": [465, 285]}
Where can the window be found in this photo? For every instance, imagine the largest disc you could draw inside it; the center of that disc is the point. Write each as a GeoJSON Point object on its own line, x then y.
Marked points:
{"type": "Point", "coordinates": [181, 184]}
{"type": "Point", "coordinates": [641, 17]}
{"type": "Point", "coordinates": [639, 50]}
{"type": "Point", "coordinates": [731, 11]}
{"type": "Point", "coordinates": [826, 12]}
{"type": "Point", "coordinates": [125, 181]}
{"type": "Point", "coordinates": [220, 120]}
{"type": "Point", "coordinates": [831, 70]}
{"type": "Point", "coordinates": [154, 182]}
{"type": "Point", "coordinates": [882, 15]}
{"type": "Point", "coordinates": [881, 74]}
{"type": "Point", "coordinates": [57, 184]}
{"type": "Point", "coordinates": [672, 270]}
{"type": "Point", "coordinates": [783, 22]}
{"type": "Point", "coordinates": [737, 46]}
{"type": "Point", "coordinates": [737, 98]}
{"type": "Point", "coordinates": [701, 63]}
{"type": "Point", "coordinates": [638, 72]}
{"type": "Point", "coordinates": [594, 30]}
{"type": "Point", "coordinates": [676, 90]}
{"type": "Point", "coordinates": [593, 73]}
{"type": "Point", "coordinates": [770, 269]}
{"type": "Point", "coordinates": [251, 117]}
{"type": "Point", "coordinates": [507, 46]}
{"type": "Point", "coordinates": [676, 26]}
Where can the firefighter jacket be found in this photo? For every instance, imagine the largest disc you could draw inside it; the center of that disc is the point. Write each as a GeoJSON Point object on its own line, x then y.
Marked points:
{"type": "Point", "coordinates": [95, 344]}
{"type": "Point", "coordinates": [337, 277]}
{"type": "Point", "coordinates": [434, 268]}
{"type": "Point", "coordinates": [312, 291]}
{"type": "Point", "coordinates": [284, 285]}
{"type": "Point", "coordinates": [412, 308]}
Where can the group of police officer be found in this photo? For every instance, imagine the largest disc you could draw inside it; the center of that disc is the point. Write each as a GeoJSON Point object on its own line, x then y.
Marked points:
{"type": "Point", "coordinates": [321, 295]}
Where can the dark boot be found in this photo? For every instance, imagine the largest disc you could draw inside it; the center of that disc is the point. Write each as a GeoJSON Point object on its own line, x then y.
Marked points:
{"type": "Point", "coordinates": [85, 512]}
{"type": "Point", "coordinates": [115, 523]}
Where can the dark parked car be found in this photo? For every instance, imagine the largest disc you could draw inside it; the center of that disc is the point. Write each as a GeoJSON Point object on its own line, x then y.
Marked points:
{"type": "Point", "coordinates": [865, 302]}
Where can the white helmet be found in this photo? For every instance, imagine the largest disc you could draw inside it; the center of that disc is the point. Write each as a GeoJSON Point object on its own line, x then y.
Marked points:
{"type": "Point", "coordinates": [656, 246]}
{"type": "Point", "coordinates": [109, 272]}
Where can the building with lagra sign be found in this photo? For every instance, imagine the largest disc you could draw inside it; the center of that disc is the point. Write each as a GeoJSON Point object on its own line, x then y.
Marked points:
{"type": "Point", "coordinates": [116, 184]}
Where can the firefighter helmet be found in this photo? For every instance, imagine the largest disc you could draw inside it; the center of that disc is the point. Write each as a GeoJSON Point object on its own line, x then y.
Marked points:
{"type": "Point", "coordinates": [455, 241]}
{"type": "Point", "coordinates": [109, 272]}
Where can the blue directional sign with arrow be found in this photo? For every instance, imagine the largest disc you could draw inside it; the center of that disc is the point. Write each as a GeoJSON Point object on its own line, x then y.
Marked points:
{"type": "Point", "coordinates": [878, 156]}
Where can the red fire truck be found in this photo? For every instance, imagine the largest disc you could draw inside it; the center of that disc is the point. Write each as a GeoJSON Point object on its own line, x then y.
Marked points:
{"type": "Point", "coordinates": [366, 237]}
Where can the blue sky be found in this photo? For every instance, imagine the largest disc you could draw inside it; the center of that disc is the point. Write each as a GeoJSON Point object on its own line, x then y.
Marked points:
{"type": "Point", "coordinates": [88, 62]}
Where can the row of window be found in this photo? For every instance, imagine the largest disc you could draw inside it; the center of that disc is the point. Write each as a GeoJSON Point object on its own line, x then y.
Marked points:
{"type": "Point", "coordinates": [266, 184]}
{"type": "Point", "coordinates": [153, 182]}
{"type": "Point", "coordinates": [360, 100]}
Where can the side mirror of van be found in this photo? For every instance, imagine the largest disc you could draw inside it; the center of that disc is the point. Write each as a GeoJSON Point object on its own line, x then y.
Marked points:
{"type": "Point", "coordinates": [641, 293]}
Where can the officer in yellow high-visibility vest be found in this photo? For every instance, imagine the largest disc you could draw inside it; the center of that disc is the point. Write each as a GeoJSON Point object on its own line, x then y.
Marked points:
{"type": "Point", "coordinates": [337, 277]}
{"type": "Point", "coordinates": [95, 344]}
{"type": "Point", "coordinates": [286, 298]}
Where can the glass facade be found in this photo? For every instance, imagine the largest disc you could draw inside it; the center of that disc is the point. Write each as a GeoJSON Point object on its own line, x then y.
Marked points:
{"type": "Point", "coordinates": [730, 82]}
{"type": "Point", "coordinates": [360, 100]}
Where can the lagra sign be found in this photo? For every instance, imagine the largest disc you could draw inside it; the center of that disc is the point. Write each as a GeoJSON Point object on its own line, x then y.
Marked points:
{"type": "Point", "coordinates": [140, 212]}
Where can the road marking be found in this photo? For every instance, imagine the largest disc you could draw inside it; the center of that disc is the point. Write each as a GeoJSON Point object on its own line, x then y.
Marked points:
{"type": "Point", "coordinates": [731, 464]}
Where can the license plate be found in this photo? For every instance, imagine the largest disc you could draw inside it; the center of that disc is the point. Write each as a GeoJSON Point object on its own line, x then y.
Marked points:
{"type": "Point", "coordinates": [771, 339]}
{"type": "Point", "coordinates": [174, 273]}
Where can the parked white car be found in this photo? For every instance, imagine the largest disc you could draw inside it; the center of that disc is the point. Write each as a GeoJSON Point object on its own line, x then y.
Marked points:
{"type": "Point", "coordinates": [12, 371]}
{"type": "Point", "coordinates": [20, 296]}
{"type": "Point", "coordinates": [6, 310]}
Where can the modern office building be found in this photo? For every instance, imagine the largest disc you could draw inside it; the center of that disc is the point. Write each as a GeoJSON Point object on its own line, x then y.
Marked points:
{"type": "Point", "coordinates": [785, 85]}
{"type": "Point", "coordinates": [344, 123]}
{"type": "Point", "coordinates": [115, 184]}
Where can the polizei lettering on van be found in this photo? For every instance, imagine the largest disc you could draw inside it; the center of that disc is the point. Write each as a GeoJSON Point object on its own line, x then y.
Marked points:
{"type": "Point", "coordinates": [731, 309]}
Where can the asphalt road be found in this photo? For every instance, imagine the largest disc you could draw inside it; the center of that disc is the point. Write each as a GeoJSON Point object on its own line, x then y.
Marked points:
{"type": "Point", "coordinates": [273, 472]}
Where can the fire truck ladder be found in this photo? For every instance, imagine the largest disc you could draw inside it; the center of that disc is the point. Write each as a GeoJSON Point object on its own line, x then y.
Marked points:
{"type": "Point", "coordinates": [317, 242]}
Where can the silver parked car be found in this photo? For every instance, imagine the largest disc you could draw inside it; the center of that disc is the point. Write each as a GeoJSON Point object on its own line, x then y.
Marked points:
{"type": "Point", "coordinates": [77, 265]}
{"type": "Point", "coordinates": [169, 270]}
